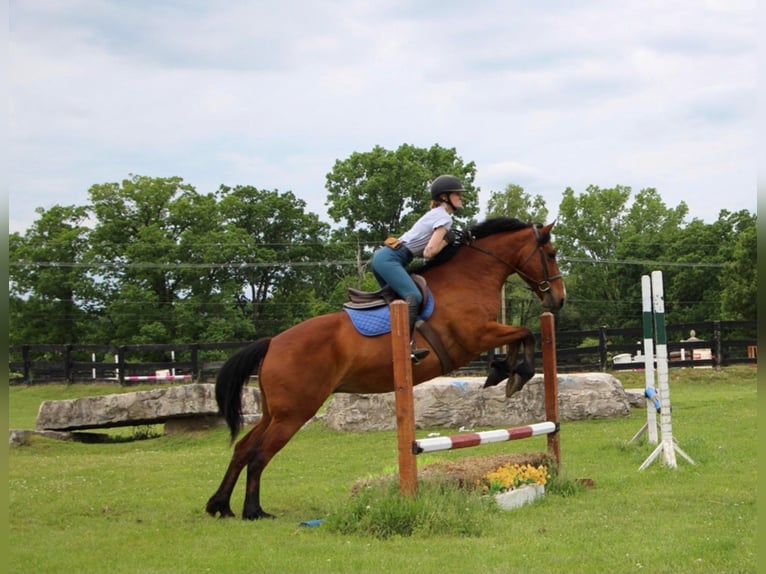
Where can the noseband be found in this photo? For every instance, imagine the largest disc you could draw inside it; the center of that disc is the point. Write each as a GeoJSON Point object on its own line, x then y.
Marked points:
{"type": "Point", "coordinates": [543, 285]}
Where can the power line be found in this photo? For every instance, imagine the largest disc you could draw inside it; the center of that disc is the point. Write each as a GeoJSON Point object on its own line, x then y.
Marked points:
{"type": "Point", "coordinates": [330, 263]}
{"type": "Point", "coordinates": [639, 262]}
{"type": "Point", "coordinates": [146, 265]}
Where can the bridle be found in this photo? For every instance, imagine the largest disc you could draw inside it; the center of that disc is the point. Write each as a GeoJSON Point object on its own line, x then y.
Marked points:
{"type": "Point", "coordinates": [543, 285]}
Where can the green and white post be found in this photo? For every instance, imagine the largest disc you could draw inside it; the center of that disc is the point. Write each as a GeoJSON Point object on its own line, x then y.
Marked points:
{"type": "Point", "coordinates": [650, 426]}
{"type": "Point", "coordinates": [667, 445]}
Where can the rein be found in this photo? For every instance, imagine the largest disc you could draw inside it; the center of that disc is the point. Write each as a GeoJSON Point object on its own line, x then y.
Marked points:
{"type": "Point", "coordinates": [543, 285]}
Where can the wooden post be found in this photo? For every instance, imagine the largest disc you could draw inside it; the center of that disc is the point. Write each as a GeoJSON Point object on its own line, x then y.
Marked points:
{"type": "Point", "coordinates": [550, 381]}
{"type": "Point", "coordinates": [404, 399]}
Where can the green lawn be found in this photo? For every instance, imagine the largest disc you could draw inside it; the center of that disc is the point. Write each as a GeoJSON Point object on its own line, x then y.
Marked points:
{"type": "Point", "coordinates": [138, 506]}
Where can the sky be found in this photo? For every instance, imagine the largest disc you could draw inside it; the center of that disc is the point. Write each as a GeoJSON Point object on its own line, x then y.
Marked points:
{"type": "Point", "coordinates": [546, 95]}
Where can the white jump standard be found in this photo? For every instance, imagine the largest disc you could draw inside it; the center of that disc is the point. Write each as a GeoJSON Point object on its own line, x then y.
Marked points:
{"type": "Point", "coordinates": [667, 446]}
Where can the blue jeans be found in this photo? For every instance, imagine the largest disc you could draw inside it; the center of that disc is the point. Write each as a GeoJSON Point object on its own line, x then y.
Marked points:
{"type": "Point", "coordinates": [388, 268]}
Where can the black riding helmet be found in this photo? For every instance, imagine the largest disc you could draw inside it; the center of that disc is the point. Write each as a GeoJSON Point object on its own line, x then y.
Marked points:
{"type": "Point", "coordinates": [446, 184]}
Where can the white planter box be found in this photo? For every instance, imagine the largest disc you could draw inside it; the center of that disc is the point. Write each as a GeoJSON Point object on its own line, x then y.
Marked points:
{"type": "Point", "coordinates": [519, 496]}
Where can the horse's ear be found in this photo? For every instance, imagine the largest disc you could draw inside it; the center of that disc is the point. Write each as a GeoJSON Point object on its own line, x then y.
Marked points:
{"type": "Point", "coordinates": [547, 228]}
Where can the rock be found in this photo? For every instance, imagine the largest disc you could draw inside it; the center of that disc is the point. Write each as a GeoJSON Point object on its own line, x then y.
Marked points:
{"type": "Point", "coordinates": [138, 408]}
{"type": "Point", "coordinates": [453, 403]}
{"type": "Point", "coordinates": [183, 425]}
{"type": "Point", "coordinates": [18, 437]}
{"type": "Point", "coordinates": [636, 398]}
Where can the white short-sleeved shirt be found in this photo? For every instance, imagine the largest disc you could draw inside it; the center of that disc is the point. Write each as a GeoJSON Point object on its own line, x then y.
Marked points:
{"type": "Point", "coordinates": [418, 235]}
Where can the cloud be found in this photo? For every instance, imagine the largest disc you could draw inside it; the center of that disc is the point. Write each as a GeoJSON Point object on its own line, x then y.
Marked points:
{"type": "Point", "coordinates": [657, 94]}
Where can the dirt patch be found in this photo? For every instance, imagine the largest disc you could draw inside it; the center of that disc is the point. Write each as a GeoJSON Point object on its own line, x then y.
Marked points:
{"type": "Point", "coordinates": [468, 470]}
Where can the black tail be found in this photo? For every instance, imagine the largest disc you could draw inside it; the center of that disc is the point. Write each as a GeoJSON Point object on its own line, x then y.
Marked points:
{"type": "Point", "coordinates": [232, 377]}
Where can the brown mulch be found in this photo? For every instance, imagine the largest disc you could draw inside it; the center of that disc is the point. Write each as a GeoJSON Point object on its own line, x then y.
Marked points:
{"type": "Point", "coordinates": [468, 470]}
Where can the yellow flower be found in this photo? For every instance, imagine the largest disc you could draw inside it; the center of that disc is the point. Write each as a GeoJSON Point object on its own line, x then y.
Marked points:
{"type": "Point", "coordinates": [511, 476]}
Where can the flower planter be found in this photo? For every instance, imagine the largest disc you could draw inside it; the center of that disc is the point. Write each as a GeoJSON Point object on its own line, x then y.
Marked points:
{"type": "Point", "coordinates": [511, 499]}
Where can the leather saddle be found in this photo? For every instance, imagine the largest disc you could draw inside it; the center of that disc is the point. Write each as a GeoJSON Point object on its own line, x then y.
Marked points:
{"type": "Point", "coordinates": [380, 298]}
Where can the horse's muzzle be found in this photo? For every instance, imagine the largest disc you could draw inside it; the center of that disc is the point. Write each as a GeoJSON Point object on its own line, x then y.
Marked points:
{"type": "Point", "coordinates": [552, 303]}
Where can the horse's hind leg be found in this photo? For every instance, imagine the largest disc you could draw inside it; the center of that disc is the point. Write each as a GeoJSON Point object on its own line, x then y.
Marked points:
{"type": "Point", "coordinates": [276, 436]}
{"type": "Point", "coordinates": [220, 502]}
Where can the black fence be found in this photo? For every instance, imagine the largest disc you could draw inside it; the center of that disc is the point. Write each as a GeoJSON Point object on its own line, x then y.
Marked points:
{"type": "Point", "coordinates": [714, 343]}
{"type": "Point", "coordinates": [718, 343]}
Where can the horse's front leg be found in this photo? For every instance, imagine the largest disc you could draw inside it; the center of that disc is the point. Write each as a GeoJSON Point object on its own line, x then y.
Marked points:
{"type": "Point", "coordinates": [523, 370]}
{"type": "Point", "coordinates": [500, 367]}
{"type": "Point", "coordinates": [517, 373]}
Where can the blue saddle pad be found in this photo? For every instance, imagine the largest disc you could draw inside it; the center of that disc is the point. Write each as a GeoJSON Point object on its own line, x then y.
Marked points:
{"type": "Point", "coordinates": [377, 321]}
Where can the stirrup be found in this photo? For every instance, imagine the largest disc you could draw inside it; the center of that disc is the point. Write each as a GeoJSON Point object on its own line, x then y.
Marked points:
{"type": "Point", "coordinates": [417, 354]}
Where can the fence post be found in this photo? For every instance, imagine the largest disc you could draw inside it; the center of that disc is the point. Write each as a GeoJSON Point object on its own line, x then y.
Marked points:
{"type": "Point", "coordinates": [718, 361]}
{"type": "Point", "coordinates": [121, 364]}
{"type": "Point", "coordinates": [602, 347]}
{"type": "Point", "coordinates": [68, 364]}
{"type": "Point", "coordinates": [195, 368]}
{"type": "Point", "coordinates": [27, 364]}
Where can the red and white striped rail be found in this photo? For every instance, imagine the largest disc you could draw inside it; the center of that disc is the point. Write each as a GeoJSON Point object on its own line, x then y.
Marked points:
{"type": "Point", "coordinates": [435, 444]}
{"type": "Point", "coordinates": [157, 377]}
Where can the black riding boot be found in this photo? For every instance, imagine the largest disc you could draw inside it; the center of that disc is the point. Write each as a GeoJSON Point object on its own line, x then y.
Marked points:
{"type": "Point", "coordinates": [413, 307]}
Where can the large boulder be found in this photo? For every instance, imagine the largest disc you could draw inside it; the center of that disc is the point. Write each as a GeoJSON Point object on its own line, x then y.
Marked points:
{"type": "Point", "coordinates": [453, 403]}
{"type": "Point", "coordinates": [191, 402]}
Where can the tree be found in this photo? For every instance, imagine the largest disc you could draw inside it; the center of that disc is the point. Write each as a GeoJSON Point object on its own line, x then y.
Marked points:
{"type": "Point", "coordinates": [649, 232]}
{"type": "Point", "coordinates": [47, 282]}
{"type": "Point", "coordinates": [606, 244]}
{"type": "Point", "coordinates": [210, 306]}
{"type": "Point", "coordinates": [266, 230]}
{"type": "Point", "coordinates": [515, 202]}
{"type": "Point", "coordinates": [135, 245]}
{"type": "Point", "coordinates": [588, 232]}
{"type": "Point", "coordinates": [381, 192]}
{"type": "Point", "coordinates": [739, 278]}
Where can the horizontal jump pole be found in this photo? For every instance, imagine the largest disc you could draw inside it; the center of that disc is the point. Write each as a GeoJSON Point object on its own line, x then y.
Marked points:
{"type": "Point", "coordinates": [465, 440]}
{"type": "Point", "coordinates": [157, 377]}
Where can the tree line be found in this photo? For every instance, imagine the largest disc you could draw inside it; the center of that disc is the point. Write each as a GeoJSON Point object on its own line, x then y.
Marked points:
{"type": "Point", "coordinates": [153, 260]}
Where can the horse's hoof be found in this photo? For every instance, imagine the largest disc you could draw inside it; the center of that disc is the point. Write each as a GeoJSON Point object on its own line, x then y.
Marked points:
{"type": "Point", "coordinates": [257, 515]}
{"type": "Point", "coordinates": [524, 370]}
{"type": "Point", "coordinates": [514, 385]}
{"type": "Point", "coordinates": [213, 508]}
{"type": "Point", "coordinates": [498, 372]}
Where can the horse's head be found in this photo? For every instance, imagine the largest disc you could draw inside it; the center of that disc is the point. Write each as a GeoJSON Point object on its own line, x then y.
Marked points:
{"type": "Point", "coordinates": [522, 248]}
{"type": "Point", "coordinates": [538, 267]}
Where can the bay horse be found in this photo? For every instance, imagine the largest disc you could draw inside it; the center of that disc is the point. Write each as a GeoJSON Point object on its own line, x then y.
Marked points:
{"type": "Point", "coordinates": [299, 368]}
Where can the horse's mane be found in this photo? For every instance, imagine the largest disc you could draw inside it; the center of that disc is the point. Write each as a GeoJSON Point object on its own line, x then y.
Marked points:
{"type": "Point", "coordinates": [497, 225]}
{"type": "Point", "coordinates": [477, 231]}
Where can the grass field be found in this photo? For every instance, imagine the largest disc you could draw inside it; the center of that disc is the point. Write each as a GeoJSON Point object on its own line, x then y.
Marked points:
{"type": "Point", "coordinates": [138, 505]}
